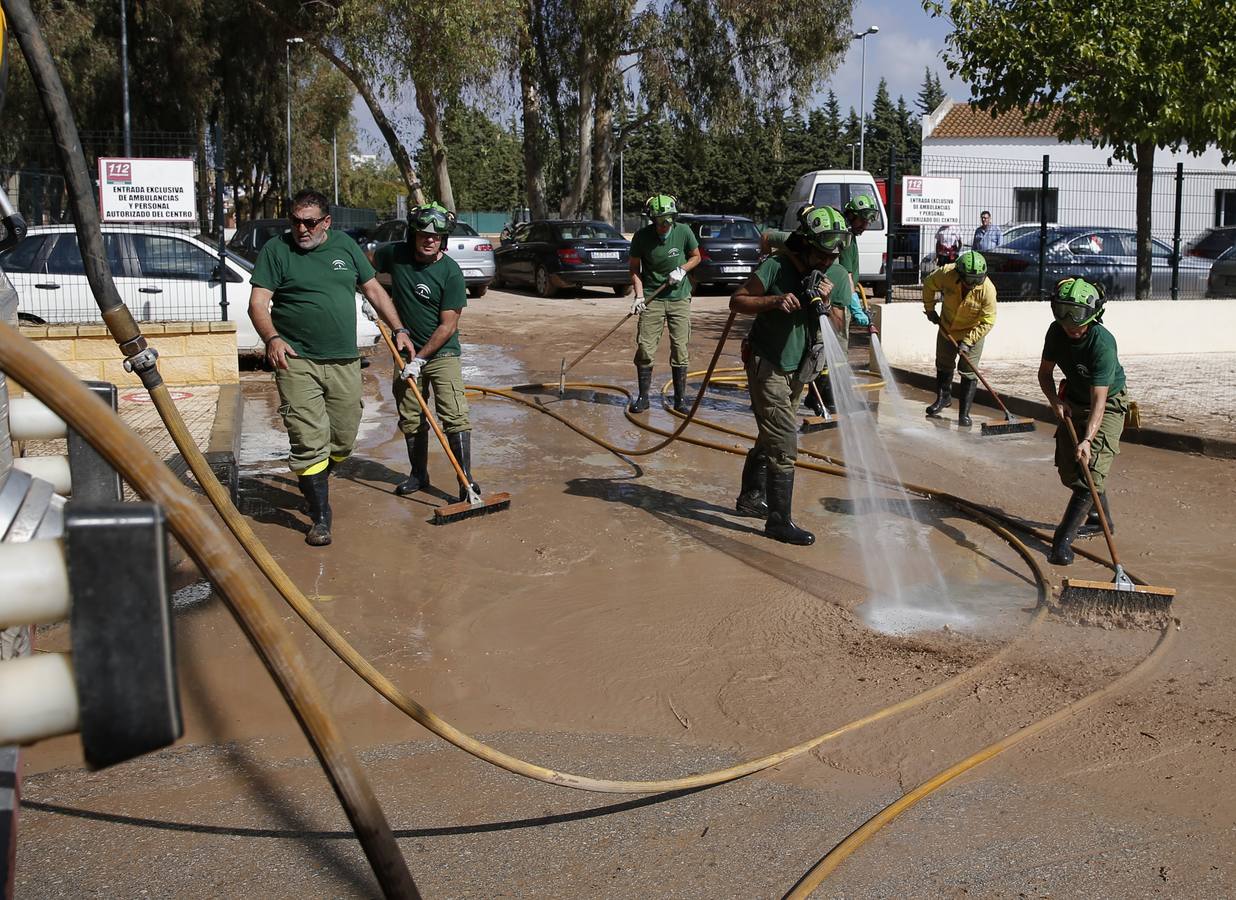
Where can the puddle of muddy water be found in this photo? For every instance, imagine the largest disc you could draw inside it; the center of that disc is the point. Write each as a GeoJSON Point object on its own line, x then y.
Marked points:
{"type": "Point", "coordinates": [983, 607]}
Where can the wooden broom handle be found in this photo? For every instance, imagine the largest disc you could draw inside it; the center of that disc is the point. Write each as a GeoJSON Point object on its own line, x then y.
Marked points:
{"type": "Point", "coordinates": [978, 372]}
{"type": "Point", "coordinates": [1094, 495]}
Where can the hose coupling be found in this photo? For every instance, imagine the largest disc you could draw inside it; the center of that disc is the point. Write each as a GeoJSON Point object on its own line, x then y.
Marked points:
{"type": "Point", "coordinates": [142, 361]}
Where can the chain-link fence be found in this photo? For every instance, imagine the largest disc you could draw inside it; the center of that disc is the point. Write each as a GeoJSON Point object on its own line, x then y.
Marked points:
{"type": "Point", "coordinates": [1090, 214]}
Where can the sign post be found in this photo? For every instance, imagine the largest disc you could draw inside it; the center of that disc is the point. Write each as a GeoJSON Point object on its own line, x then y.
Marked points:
{"type": "Point", "coordinates": [146, 190]}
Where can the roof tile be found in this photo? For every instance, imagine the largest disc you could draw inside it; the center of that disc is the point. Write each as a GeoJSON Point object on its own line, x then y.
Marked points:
{"type": "Point", "coordinates": [965, 120]}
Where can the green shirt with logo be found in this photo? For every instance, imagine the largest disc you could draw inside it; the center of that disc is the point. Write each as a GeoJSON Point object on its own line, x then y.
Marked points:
{"type": "Point", "coordinates": [849, 258]}
{"type": "Point", "coordinates": [314, 303]}
{"type": "Point", "coordinates": [781, 338]}
{"type": "Point", "coordinates": [660, 257]}
{"type": "Point", "coordinates": [1087, 362]}
{"type": "Point", "coordinates": [421, 291]}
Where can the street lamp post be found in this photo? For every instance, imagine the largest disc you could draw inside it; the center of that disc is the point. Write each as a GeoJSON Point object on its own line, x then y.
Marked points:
{"type": "Point", "coordinates": [124, 78]}
{"type": "Point", "coordinates": [288, 43]}
{"type": "Point", "coordinates": [862, 97]}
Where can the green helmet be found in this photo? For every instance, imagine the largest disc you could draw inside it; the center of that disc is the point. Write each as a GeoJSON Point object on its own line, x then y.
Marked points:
{"type": "Point", "coordinates": [432, 217]}
{"type": "Point", "coordinates": [1077, 302]}
{"type": "Point", "coordinates": [661, 206]}
{"type": "Point", "coordinates": [823, 228]}
{"type": "Point", "coordinates": [863, 207]}
{"type": "Point", "coordinates": [972, 267]}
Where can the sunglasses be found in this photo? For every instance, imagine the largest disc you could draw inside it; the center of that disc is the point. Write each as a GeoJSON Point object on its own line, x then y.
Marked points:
{"type": "Point", "coordinates": [309, 224]}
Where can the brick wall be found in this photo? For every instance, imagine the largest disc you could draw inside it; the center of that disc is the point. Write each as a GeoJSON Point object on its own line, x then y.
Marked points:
{"type": "Point", "coordinates": [189, 352]}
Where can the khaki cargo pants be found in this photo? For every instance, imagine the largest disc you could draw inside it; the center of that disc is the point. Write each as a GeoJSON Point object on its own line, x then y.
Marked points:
{"type": "Point", "coordinates": [320, 402]}
{"type": "Point", "coordinates": [774, 398]}
{"type": "Point", "coordinates": [1103, 449]}
{"type": "Point", "coordinates": [652, 323]}
{"type": "Point", "coordinates": [442, 377]}
{"type": "Point", "coordinates": [947, 357]}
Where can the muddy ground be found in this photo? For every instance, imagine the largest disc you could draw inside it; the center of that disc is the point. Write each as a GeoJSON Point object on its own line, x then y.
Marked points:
{"type": "Point", "coordinates": [619, 620]}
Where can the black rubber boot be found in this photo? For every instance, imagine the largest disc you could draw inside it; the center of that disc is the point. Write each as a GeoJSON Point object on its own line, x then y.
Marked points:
{"type": "Point", "coordinates": [779, 526]}
{"type": "Point", "coordinates": [461, 445]}
{"type": "Point", "coordinates": [753, 499]}
{"type": "Point", "coordinates": [1062, 542]}
{"type": "Point", "coordinates": [944, 393]}
{"type": "Point", "coordinates": [1092, 526]}
{"type": "Point", "coordinates": [968, 387]}
{"type": "Point", "coordinates": [316, 489]}
{"type": "Point", "coordinates": [680, 389]}
{"type": "Point", "coordinates": [418, 456]}
{"type": "Point", "coordinates": [644, 376]}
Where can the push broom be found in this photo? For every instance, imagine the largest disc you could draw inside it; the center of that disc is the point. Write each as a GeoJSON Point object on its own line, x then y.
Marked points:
{"type": "Point", "coordinates": [1010, 425]}
{"type": "Point", "coordinates": [1121, 596]}
{"type": "Point", "coordinates": [564, 368]}
{"type": "Point", "coordinates": [817, 423]}
{"type": "Point", "coordinates": [473, 504]}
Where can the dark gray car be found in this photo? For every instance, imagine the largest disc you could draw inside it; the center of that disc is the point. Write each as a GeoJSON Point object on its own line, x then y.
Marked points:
{"type": "Point", "coordinates": [1106, 256]}
{"type": "Point", "coordinates": [1222, 280]}
{"type": "Point", "coordinates": [729, 248]}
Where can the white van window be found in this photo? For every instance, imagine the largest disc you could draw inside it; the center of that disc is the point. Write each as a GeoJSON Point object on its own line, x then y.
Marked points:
{"type": "Point", "coordinates": [837, 195]}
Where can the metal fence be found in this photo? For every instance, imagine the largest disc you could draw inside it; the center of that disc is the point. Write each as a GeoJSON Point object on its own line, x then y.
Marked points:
{"type": "Point", "coordinates": [1090, 213]}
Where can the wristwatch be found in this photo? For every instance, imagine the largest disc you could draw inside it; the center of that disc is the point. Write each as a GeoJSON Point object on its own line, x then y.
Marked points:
{"type": "Point", "coordinates": [399, 331]}
{"type": "Point", "coordinates": [267, 341]}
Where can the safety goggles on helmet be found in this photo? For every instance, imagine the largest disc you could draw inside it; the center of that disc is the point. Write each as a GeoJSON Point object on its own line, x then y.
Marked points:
{"type": "Point", "coordinates": [862, 207]}
{"type": "Point", "coordinates": [972, 267]}
{"type": "Point", "coordinates": [1077, 302]}
{"type": "Point", "coordinates": [823, 228]}
{"type": "Point", "coordinates": [661, 206]}
{"type": "Point", "coordinates": [432, 218]}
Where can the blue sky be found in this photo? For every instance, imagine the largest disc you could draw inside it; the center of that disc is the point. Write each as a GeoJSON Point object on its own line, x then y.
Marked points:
{"type": "Point", "coordinates": [908, 41]}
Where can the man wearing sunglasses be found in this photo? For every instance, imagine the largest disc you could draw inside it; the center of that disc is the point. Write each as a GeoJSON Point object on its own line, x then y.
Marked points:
{"type": "Point", "coordinates": [774, 353]}
{"type": "Point", "coordinates": [430, 294]}
{"type": "Point", "coordinates": [967, 313]}
{"type": "Point", "coordinates": [661, 256]}
{"type": "Point", "coordinates": [303, 305]}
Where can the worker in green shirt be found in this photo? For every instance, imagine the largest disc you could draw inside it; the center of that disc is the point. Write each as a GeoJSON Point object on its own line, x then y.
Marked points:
{"type": "Point", "coordinates": [1093, 396]}
{"type": "Point", "coordinates": [430, 294]}
{"type": "Point", "coordinates": [303, 305]}
{"type": "Point", "coordinates": [778, 358]}
{"type": "Point", "coordinates": [663, 251]}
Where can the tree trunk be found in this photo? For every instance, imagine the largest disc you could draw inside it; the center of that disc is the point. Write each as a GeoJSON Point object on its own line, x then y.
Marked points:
{"type": "Point", "coordinates": [573, 202]}
{"type": "Point", "coordinates": [603, 153]}
{"type": "Point", "coordinates": [534, 132]}
{"type": "Point", "coordinates": [1145, 190]}
{"type": "Point", "coordinates": [427, 106]}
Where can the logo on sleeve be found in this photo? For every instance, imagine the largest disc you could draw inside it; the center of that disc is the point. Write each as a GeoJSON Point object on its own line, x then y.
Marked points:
{"type": "Point", "coordinates": [338, 265]}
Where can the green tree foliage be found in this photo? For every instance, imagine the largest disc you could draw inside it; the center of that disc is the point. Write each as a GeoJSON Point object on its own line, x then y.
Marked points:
{"type": "Point", "coordinates": [487, 168]}
{"type": "Point", "coordinates": [931, 94]}
{"type": "Point", "coordinates": [1130, 75]}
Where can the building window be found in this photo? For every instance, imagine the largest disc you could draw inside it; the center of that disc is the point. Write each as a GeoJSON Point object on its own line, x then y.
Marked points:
{"type": "Point", "coordinates": [1225, 208]}
{"type": "Point", "coordinates": [1026, 204]}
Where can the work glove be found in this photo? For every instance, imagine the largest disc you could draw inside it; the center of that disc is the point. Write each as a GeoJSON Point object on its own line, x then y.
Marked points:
{"type": "Point", "coordinates": [857, 313]}
{"type": "Point", "coordinates": [932, 316]}
{"type": "Point", "coordinates": [676, 276]}
{"type": "Point", "coordinates": [638, 305]}
{"type": "Point", "coordinates": [964, 347]}
{"type": "Point", "coordinates": [412, 369]}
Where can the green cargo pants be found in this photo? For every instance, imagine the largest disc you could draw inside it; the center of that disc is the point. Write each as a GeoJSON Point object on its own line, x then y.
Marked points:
{"type": "Point", "coordinates": [320, 402]}
{"type": "Point", "coordinates": [652, 323]}
{"type": "Point", "coordinates": [774, 398]}
{"type": "Point", "coordinates": [443, 377]}
{"type": "Point", "coordinates": [947, 357]}
{"type": "Point", "coordinates": [1103, 449]}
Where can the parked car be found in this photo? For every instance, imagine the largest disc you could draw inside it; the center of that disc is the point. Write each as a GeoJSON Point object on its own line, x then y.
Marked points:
{"type": "Point", "coordinates": [162, 275]}
{"type": "Point", "coordinates": [1222, 279]}
{"type": "Point", "coordinates": [555, 254]}
{"type": "Point", "coordinates": [1213, 242]}
{"type": "Point", "coordinates": [475, 254]}
{"type": "Point", "coordinates": [1106, 256]}
{"type": "Point", "coordinates": [251, 235]}
{"type": "Point", "coordinates": [836, 188]}
{"type": "Point", "coordinates": [729, 248]}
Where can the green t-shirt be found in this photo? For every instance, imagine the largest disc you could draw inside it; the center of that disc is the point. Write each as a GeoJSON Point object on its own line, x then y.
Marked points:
{"type": "Point", "coordinates": [421, 291]}
{"type": "Point", "coordinates": [660, 257]}
{"type": "Point", "coordinates": [314, 304]}
{"type": "Point", "coordinates": [782, 338]}
{"type": "Point", "coordinates": [849, 258]}
{"type": "Point", "coordinates": [1086, 363]}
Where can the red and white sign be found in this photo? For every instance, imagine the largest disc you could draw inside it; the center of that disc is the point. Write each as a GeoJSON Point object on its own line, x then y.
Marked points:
{"type": "Point", "coordinates": [930, 200]}
{"type": "Point", "coordinates": [147, 190]}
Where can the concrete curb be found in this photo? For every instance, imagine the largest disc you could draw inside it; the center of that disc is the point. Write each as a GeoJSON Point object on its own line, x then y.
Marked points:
{"type": "Point", "coordinates": [1219, 448]}
{"type": "Point", "coordinates": [223, 448]}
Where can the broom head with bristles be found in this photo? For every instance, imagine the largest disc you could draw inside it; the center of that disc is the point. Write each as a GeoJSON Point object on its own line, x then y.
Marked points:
{"type": "Point", "coordinates": [817, 423]}
{"type": "Point", "coordinates": [466, 509]}
{"type": "Point", "coordinates": [1008, 426]}
{"type": "Point", "coordinates": [1116, 604]}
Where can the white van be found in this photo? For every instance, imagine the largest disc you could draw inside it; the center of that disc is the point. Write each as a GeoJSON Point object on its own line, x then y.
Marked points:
{"type": "Point", "coordinates": [836, 188]}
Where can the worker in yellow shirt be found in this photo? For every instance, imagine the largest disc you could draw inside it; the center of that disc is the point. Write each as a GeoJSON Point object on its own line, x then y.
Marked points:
{"type": "Point", "coordinates": [967, 313]}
